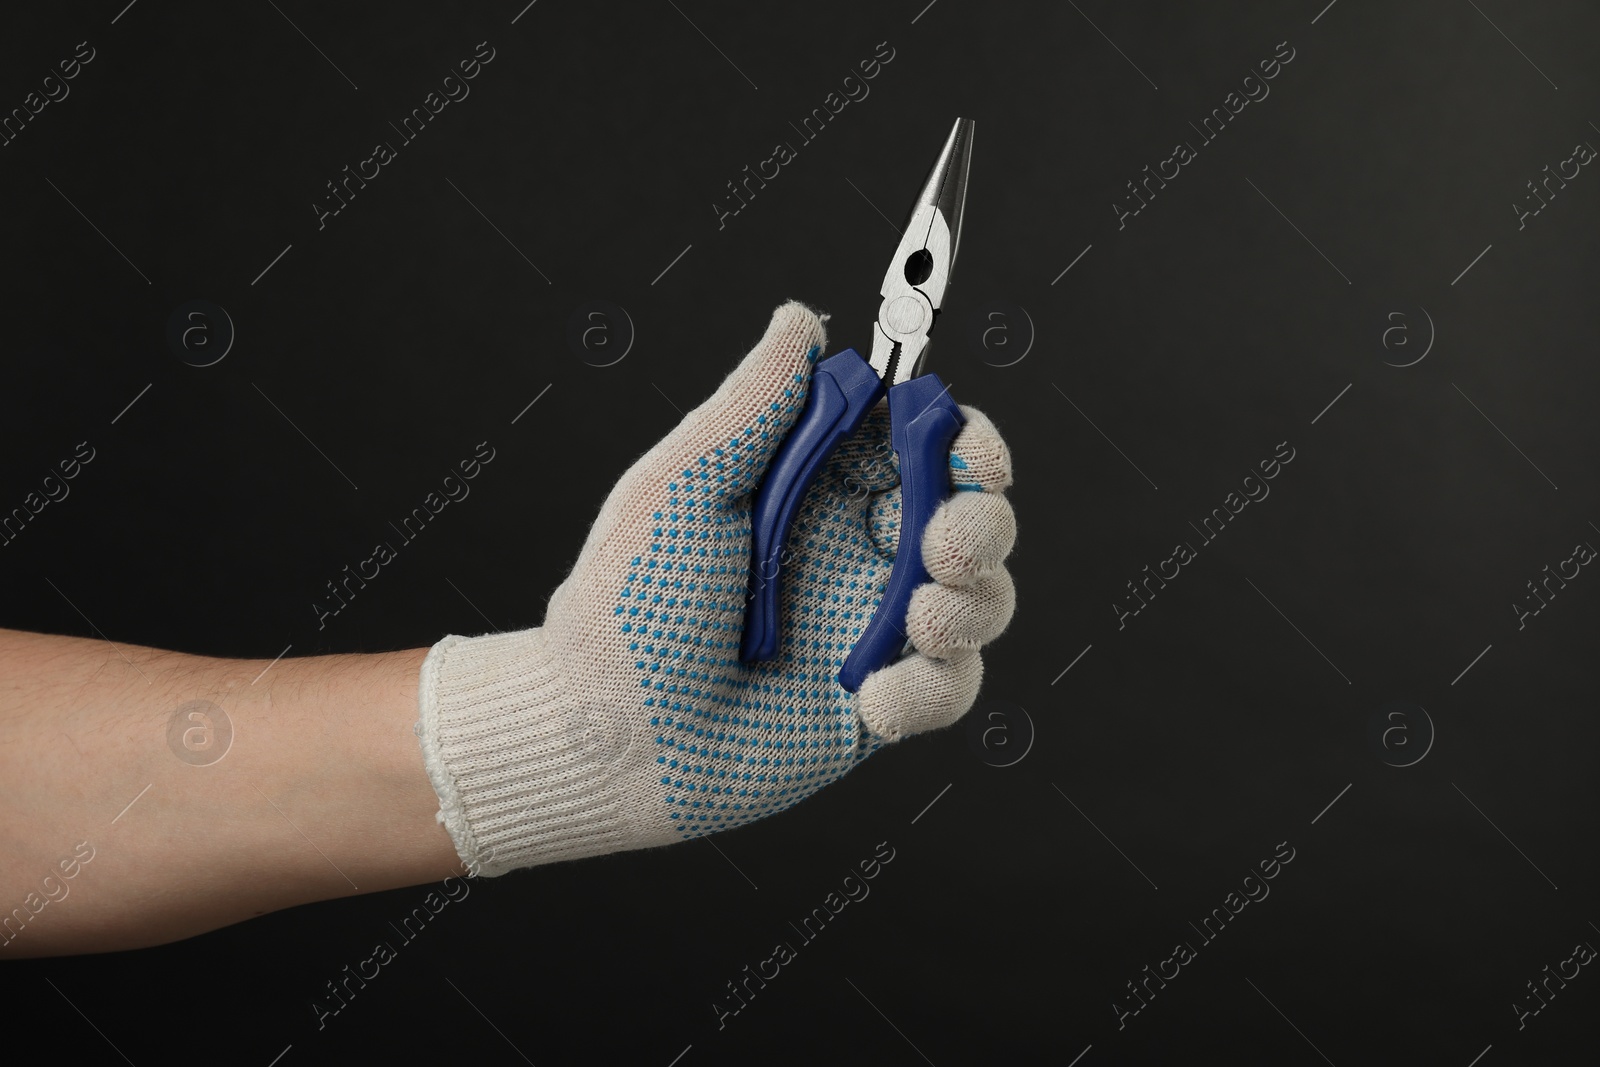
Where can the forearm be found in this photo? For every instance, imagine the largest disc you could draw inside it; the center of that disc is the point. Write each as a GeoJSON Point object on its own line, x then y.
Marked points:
{"type": "Point", "coordinates": [320, 793]}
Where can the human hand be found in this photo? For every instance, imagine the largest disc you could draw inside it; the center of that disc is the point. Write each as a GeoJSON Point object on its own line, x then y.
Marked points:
{"type": "Point", "coordinates": [628, 720]}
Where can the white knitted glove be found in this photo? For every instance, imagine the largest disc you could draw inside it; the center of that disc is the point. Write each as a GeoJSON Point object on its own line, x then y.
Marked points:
{"type": "Point", "coordinates": [627, 720]}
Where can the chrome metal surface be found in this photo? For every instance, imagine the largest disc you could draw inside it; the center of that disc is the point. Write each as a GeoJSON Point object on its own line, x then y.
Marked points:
{"type": "Point", "coordinates": [919, 274]}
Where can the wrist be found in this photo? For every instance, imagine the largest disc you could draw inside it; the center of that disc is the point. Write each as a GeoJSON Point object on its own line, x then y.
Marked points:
{"type": "Point", "coordinates": [522, 776]}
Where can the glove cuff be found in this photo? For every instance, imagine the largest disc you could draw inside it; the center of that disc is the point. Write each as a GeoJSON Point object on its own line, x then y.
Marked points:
{"type": "Point", "coordinates": [521, 779]}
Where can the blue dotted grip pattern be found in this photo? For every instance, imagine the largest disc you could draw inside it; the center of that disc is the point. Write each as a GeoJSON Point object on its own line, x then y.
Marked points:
{"type": "Point", "coordinates": [925, 422]}
{"type": "Point", "coordinates": [843, 389]}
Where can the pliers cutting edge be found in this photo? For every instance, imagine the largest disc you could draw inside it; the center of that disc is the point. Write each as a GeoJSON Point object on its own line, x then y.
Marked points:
{"type": "Point", "coordinates": [844, 387]}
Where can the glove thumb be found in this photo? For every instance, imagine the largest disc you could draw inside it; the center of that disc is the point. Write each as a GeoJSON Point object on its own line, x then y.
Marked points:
{"type": "Point", "coordinates": [733, 436]}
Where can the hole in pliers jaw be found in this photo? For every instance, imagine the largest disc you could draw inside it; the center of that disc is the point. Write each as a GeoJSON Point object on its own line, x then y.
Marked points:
{"type": "Point", "coordinates": [919, 267]}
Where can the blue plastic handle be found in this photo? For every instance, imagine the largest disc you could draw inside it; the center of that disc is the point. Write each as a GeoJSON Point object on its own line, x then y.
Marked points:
{"type": "Point", "coordinates": [843, 389]}
{"type": "Point", "coordinates": [924, 420]}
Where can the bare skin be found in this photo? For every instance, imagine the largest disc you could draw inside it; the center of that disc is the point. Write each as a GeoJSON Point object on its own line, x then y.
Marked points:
{"type": "Point", "coordinates": [321, 793]}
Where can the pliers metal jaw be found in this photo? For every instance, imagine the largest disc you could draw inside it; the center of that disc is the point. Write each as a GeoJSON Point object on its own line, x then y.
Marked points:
{"type": "Point", "coordinates": [924, 420]}
{"type": "Point", "coordinates": [919, 274]}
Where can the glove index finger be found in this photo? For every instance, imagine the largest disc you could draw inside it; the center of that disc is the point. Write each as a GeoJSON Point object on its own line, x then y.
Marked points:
{"type": "Point", "coordinates": [980, 462]}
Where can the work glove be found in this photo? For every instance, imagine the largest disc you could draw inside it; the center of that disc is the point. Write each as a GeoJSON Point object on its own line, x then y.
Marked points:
{"type": "Point", "coordinates": [628, 720]}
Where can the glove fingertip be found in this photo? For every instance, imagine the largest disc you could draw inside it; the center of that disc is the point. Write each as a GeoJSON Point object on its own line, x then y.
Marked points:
{"type": "Point", "coordinates": [919, 693]}
{"type": "Point", "coordinates": [979, 458]}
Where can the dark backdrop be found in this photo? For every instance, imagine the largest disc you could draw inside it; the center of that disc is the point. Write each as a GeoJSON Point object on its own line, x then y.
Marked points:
{"type": "Point", "coordinates": [1342, 273]}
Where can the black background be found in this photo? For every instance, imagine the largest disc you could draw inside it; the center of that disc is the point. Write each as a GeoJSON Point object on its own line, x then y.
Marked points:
{"type": "Point", "coordinates": [1222, 720]}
